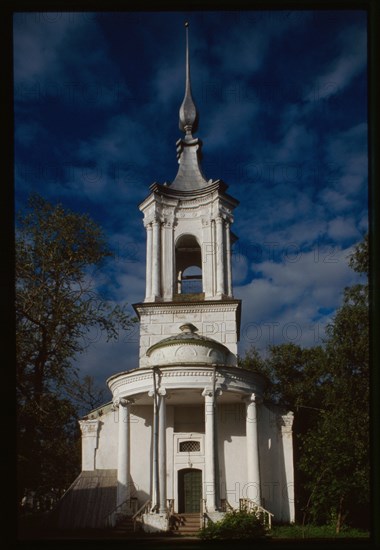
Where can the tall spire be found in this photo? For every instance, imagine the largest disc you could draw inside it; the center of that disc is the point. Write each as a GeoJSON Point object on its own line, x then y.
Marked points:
{"type": "Point", "coordinates": [189, 176]}
{"type": "Point", "coordinates": [188, 115]}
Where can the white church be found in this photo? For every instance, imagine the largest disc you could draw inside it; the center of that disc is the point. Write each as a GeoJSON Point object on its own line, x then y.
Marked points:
{"type": "Point", "coordinates": [187, 435]}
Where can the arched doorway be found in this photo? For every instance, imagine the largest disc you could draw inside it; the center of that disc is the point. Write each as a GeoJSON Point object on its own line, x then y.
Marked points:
{"type": "Point", "coordinates": [189, 490]}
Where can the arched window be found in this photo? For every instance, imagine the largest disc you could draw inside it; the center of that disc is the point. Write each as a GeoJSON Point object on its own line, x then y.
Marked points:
{"type": "Point", "coordinates": [188, 257]}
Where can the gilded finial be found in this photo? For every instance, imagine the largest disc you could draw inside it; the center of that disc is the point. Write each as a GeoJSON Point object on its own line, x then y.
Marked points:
{"type": "Point", "coordinates": [188, 115]}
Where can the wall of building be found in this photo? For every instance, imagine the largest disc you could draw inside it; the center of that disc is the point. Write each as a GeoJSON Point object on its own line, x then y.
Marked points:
{"type": "Point", "coordinates": [232, 453]}
{"type": "Point", "coordinates": [276, 462]}
{"type": "Point", "coordinates": [217, 321]}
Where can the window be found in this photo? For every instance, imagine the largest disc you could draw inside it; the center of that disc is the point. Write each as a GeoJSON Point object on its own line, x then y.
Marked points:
{"type": "Point", "coordinates": [189, 446]}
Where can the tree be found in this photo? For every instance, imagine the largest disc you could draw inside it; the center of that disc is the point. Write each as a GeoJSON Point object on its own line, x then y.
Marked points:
{"type": "Point", "coordinates": [294, 382]}
{"type": "Point", "coordinates": [338, 447]}
{"type": "Point", "coordinates": [56, 307]}
{"type": "Point", "coordinates": [86, 394]}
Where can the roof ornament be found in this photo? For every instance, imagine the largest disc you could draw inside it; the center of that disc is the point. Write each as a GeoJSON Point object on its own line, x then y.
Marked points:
{"type": "Point", "coordinates": [188, 115]}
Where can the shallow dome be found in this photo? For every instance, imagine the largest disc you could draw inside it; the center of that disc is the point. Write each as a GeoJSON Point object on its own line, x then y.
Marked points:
{"type": "Point", "coordinates": [188, 347]}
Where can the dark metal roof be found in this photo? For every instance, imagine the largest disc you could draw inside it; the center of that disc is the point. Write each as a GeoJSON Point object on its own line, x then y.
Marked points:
{"type": "Point", "coordinates": [88, 501]}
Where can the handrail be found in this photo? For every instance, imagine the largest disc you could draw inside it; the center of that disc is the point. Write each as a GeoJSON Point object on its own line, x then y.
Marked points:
{"type": "Point", "coordinates": [228, 505]}
{"type": "Point", "coordinates": [203, 512]}
{"type": "Point", "coordinates": [252, 506]}
{"type": "Point", "coordinates": [109, 516]}
{"type": "Point", "coordinates": [169, 507]}
{"type": "Point", "coordinates": [140, 512]}
{"type": "Point", "coordinates": [141, 509]}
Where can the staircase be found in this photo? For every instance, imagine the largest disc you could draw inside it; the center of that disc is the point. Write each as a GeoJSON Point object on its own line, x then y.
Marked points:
{"type": "Point", "coordinates": [124, 527]}
{"type": "Point", "coordinates": [187, 524]}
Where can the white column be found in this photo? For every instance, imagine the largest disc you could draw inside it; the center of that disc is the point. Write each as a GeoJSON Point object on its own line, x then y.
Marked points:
{"type": "Point", "coordinates": [123, 451]}
{"type": "Point", "coordinates": [253, 467]}
{"type": "Point", "coordinates": [155, 476]}
{"type": "Point", "coordinates": [228, 260]}
{"type": "Point", "coordinates": [167, 261]}
{"type": "Point", "coordinates": [208, 246]}
{"type": "Point", "coordinates": [162, 449]}
{"type": "Point", "coordinates": [148, 293]}
{"type": "Point", "coordinates": [219, 256]}
{"type": "Point", "coordinates": [209, 482]}
{"type": "Point", "coordinates": [156, 263]}
{"type": "Point", "coordinates": [214, 245]}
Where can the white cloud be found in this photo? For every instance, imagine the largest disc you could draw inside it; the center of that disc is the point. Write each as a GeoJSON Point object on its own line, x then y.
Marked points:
{"type": "Point", "coordinates": [343, 228]}
{"type": "Point", "coordinates": [287, 299]}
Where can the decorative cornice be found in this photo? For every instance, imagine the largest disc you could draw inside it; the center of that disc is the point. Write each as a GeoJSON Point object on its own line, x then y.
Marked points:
{"type": "Point", "coordinates": [186, 307]}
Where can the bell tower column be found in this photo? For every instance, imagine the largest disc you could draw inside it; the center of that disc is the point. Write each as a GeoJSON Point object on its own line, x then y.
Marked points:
{"type": "Point", "coordinates": [219, 223]}
{"type": "Point", "coordinates": [156, 263]}
{"type": "Point", "coordinates": [167, 261]}
{"type": "Point", "coordinates": [148, 292]}
{"type": "Point", "coordinates": [228, 259]}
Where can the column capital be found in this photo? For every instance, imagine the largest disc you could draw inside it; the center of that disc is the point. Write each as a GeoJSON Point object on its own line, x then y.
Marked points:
{"type": "Point", "coordinates": [162, 391]}
{"type": "Point", "coordinates": [210, 392]}
{"type": "Point", "coordinates": [122, 401]}
{"type": "Point", "coordinates": [89, 428]}
{"type": "Point", "coordinates": [252, 398]}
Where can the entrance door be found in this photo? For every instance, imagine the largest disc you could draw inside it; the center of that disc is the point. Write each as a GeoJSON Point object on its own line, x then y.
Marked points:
{"type": "Point", "coordinates": [189, 490]}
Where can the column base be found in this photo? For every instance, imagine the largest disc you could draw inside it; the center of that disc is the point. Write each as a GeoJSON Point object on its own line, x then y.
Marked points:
{"type": "Point", "coordinates": [154, 523]}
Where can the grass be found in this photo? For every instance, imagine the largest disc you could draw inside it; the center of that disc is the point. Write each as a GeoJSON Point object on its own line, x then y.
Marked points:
{"type": "Point", "coordinates": [315, 531]}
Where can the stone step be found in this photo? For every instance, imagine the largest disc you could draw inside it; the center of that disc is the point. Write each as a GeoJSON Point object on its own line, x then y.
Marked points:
{"type": "Point", "coordinates": [125, 526]}
{"type": "Point", "coordinates": [189, 525]}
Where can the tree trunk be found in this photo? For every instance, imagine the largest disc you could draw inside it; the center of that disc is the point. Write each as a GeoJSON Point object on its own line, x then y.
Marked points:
{"type": "Point", "coordinates": [340, 518]}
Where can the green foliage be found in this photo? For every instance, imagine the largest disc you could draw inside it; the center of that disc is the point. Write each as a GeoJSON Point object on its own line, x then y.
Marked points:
{"type": "Point", "coordinates": [335, 453]}
{"type": "Point", "coordinates": [57, 255]}
{"type": "Point", "coordinates": [315, 531]}
{"type": "Point", "coordinates": [237, 524]}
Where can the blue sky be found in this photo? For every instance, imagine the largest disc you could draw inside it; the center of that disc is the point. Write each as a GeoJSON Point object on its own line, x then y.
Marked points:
{"type": "Point", "coordinates": [282, 98]}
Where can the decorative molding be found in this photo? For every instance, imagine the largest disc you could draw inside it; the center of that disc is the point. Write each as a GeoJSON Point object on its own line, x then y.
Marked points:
{"type": "Point", "coordinates": [210, 392]}
{"type": "Point", "coordinates": [122, 401]}
{"type": "Point", "coordinates": [204, 307]}
{"type": "Point", "coordinates": [252, 398]}
{"type": "Point", "coordinates": [89, 428]}
{"type": "Point", "coordinates": [285, 423]}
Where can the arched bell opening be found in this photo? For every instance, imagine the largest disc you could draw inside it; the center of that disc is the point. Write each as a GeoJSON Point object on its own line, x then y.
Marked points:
{"type": "Point", "coordinates": [188, 261]}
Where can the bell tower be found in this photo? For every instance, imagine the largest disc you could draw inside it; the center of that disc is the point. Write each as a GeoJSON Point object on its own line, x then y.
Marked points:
{"type": "Point", "coordinates": [188, 247]}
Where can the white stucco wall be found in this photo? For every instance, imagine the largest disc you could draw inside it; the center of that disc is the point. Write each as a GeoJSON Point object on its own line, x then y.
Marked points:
{"type": "Point", "coordinates": [217, 321]}
{"type": "Point", "coordinates": [276, 464]}
{"type": "Point", "coordinates": [232, 454]}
